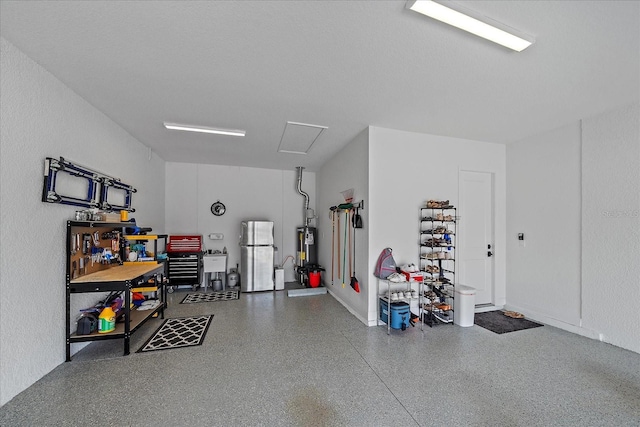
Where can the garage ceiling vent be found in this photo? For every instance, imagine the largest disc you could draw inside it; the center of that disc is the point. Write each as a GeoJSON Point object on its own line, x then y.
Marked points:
{"type": "Point", "coordinates": [298, 138]}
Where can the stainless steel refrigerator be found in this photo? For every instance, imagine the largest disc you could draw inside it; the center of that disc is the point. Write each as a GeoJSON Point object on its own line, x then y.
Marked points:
{"type": "Point", "coordinates": [256, 256]}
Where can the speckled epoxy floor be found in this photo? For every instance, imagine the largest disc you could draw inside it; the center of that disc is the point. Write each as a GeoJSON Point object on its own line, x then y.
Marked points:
{"type": "Point", "coordinates": [305, 361]}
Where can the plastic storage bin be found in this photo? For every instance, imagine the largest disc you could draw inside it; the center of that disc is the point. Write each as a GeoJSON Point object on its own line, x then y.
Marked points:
{"type": "Point", "coordinates": [464, 305]}
{"type": "Point", "coordinates": [400, 314]}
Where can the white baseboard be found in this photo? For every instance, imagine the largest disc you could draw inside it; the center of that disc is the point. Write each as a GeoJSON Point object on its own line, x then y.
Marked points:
{"type": "Point", "coordinates": [487, 307]}
{"type": "Point", "coordinates": [547, 320]}
{"type": "Point", "coordinates": [320, 290]}
{"type": "Point", "coordinates": [357, 315]}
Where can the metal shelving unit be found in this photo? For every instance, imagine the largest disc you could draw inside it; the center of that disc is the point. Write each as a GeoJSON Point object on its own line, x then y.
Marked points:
{"type": "Point", "coordinates": [438, 263]}
{"type": "Point", "coordinates": [90, 276]}
{"type": "Point", "coordinates": [393, 287]}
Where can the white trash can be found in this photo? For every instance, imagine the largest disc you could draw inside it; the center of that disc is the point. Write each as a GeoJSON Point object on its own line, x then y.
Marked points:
{"type": "Point", "coordinates": [279, 279]}
{"type": "Point", "coordinates": [464, 305]}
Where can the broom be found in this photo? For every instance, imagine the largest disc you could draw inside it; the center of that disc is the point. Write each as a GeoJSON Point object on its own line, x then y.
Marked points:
{"type": "Point", "coordinates": [354, 282]}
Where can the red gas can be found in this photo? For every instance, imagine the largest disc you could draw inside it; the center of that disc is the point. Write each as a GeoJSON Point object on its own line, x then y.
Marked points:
{"type": "Point", "coordinates": [314, 279]}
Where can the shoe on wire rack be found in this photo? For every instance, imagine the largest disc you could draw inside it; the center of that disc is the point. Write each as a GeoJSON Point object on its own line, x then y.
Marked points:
{"type": "Point", "coordinates": [396, 278]}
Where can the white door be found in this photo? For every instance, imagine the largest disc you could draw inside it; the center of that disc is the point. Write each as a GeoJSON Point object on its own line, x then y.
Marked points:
{"type": "Point", "coordinates": [475, 234]}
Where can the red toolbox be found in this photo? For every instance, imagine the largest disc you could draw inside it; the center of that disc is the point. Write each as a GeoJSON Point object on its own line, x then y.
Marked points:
{"type": "Point", "coordinates": [191, 243]}
{"type": "Point", "coordinates": [184, 261]}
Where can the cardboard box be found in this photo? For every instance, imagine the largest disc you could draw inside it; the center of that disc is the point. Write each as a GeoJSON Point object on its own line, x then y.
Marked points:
{"type": "Point", "coordinates": [416, 277]}
{"type": "Point", "coordinates": [108, 216]}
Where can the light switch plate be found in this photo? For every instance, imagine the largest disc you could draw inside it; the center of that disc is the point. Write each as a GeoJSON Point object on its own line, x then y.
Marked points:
{"type": "Point", "coordinates": [216, 236]}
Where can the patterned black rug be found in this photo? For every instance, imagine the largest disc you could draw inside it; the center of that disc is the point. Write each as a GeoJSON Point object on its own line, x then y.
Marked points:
{"type": "Point", "coordinates": [210, 297]}
{"type": "Point", "coordinates": [497, 322]}
{"type": "Point", "coordinates": [177, 333]}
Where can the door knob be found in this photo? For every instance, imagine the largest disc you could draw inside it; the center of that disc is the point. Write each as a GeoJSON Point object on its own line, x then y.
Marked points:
{"type": "Point", "coordinates": [489, 253]}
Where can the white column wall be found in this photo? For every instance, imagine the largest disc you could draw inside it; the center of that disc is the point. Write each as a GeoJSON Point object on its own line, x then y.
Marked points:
{"type": "Point", "coordinates": [543, 202]}
{"type": "Point", "coordinates": [611, 226]}
{"type": "Point", "coordinates": [247, 193]}
{"type": "Point", "coordinates": [347, 169]}
{"type": "Point", "coordinates": [41, 117]}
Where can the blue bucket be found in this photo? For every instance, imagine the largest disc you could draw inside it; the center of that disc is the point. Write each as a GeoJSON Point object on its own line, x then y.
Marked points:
{"type": "Point", "coordinates": [400, 314]}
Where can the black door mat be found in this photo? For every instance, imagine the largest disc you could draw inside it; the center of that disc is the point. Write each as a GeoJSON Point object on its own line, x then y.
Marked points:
{"type": "Point", "coordinates": [497, 322]}
{"type": "Point", "coordinates": [211, 297]}
{"type": "Point", "coordinates": [177, 333]}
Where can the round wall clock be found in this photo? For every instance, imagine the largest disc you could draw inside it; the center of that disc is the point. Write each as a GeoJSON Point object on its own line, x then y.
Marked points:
{"type": "Point", "coordinates": [218, 208]}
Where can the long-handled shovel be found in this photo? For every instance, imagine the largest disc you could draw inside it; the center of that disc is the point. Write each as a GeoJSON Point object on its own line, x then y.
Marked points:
{"type": "Point", "coordinates": [354, 282]}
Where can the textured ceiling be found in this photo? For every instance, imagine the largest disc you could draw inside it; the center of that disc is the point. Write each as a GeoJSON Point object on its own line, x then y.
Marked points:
{"type": "Point", "coordinates": [255, 65]}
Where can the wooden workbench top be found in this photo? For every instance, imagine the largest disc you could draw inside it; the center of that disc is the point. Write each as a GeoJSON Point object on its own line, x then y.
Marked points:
{"type": "Point", "coordinates": [119, 273]}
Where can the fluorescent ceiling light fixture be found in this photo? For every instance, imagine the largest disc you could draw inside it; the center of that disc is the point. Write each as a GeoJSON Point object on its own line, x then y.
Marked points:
{"type": "Point", "coordinates": [298, 138]}
{"type": "Point", "coordinates": [204, 129]}
{"type": "Point", "coordinates": [469, 21]}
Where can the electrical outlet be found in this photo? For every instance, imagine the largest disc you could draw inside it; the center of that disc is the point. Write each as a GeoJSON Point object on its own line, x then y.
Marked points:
{"type": "Point", "coordinates": [216, 236]}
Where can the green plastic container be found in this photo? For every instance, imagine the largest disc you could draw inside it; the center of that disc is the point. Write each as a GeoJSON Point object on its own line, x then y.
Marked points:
{"type": "Point", "coordinates": [106, 321]}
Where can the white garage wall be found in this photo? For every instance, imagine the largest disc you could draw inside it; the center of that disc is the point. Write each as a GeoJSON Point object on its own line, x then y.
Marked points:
{"type": "Point", "coordinates": [396, 172]}
{"type": "Point", "coordinates": [406, 169]}
{"type": "Point", "coordinates": [543, 202]}
{"type": "Point", "coordinates": [248, 193]}
{"type": "Point", "coordinates": [611, 226]}
{"type": "Point", "coordinates": [41, 117]}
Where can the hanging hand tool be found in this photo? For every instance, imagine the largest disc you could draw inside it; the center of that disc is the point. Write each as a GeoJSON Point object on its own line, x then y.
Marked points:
{"type": "Point", "coordinates": [86, 243]}
{"type": "Point", "coordinates": [354, 282]}
{"type": "Point", "coordinates": [338, 251]}
{"type": "Point", "coordinates": [356, 219]}
{"type": "Point", "coordinates": [344, 252]}
{"type": "Point", "coordinates": [349, 244]}
{"type": "Point", "coordinates": [73, 244]}
{"type": "Point", "coordinates": [333, 237]}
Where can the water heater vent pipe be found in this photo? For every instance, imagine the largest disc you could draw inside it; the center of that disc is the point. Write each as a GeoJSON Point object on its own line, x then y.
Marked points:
{"type": "Point", "coordinates": [307, 216]}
